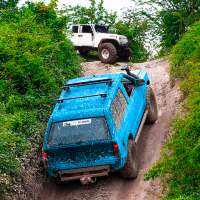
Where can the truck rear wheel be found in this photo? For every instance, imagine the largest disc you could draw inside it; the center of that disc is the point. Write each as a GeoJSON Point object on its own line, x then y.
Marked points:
{"type": "Point", "coordinates": [152, 109]}
{"type": "Point", "coordinates": [130, 170]}
{"type": "Point", "coordinates": [107, 53]}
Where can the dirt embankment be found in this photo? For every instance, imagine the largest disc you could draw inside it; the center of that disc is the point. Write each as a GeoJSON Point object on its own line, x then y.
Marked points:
{"type": "Point", "coordinates": [151, 141]}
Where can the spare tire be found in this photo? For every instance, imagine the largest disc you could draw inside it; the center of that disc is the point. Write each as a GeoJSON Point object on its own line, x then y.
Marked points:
{"type": "Point", "coordinates": [152, 108]}
{"type": "Point", "coordinates": [107, 53]}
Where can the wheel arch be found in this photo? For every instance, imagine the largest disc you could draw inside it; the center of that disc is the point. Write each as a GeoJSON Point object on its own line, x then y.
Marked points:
{"type": "Point", "coordinates": [112, 41]}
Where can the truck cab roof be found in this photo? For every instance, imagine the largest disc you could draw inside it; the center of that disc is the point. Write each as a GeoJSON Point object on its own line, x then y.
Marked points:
{"type": "Point", "coordinates": [87, 96]}
{"type": "Point", "coordinates": [86, 100]}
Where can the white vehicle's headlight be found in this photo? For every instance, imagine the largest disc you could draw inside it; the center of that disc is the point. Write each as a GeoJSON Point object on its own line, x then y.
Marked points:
{"type": "Point", "coordinates": [123, 40]}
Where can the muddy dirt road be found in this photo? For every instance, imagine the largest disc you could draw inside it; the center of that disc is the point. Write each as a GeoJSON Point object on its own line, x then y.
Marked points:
{"type": "Point", "coordinates": [152, 139]}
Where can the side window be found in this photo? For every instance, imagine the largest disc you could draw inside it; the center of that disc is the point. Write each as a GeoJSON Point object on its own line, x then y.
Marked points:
{"type": "Point", "coordinates": [128, 85]}
{"type": "Point", "coordinates": [118, 108]}
{"type": "Point", "coordinates": [74, 29]}
{"type": "Point", "coordinates": [86, 29]}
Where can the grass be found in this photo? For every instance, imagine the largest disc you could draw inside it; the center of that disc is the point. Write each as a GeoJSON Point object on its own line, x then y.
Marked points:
{"type": "Point", "coordinates": [179, 166]}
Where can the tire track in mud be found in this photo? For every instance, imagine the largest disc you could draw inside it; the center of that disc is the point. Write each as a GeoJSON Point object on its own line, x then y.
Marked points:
{"type": "Point", "coordinates": [151, 141]}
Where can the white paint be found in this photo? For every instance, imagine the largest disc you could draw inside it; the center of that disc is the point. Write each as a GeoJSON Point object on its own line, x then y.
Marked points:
{"type": "Point", "coordinates": [87, 39]}
{"type": "Point", "coordinates": [77, 122]}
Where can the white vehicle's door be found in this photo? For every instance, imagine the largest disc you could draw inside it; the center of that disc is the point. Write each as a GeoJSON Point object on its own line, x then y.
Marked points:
{"type": "Point", "coordinates": [86, 36]}
{"type": "Point", "coordinates": [74, 35]}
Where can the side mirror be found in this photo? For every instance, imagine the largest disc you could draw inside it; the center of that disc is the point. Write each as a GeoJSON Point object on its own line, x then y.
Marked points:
{"type": "Point", "coordinates": [125, 68]}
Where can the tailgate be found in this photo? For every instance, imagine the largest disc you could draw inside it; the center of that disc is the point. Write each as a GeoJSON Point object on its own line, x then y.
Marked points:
{"type": "Point", "coordinates": [81, 157]}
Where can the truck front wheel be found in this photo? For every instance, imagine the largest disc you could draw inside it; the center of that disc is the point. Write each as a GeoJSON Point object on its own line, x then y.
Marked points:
{"type": "Point", "coordinates": [107, 53]}
{"type": "Point", "coordinates": [130, 169]}
{"type": "Point", "coordinates": [152, 115]}
{"type": "Point", "coordinates": [124, 54]}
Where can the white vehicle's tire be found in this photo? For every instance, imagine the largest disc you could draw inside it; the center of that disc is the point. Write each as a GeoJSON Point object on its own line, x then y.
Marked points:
{"type": "Point", "coordinates": [107, 53]}
{"type": "Point", "coordinates": [125, 54]}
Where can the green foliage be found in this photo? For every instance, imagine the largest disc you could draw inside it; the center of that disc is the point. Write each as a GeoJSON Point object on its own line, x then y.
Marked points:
{"type": "Point", "coordinates": [170, 19]}
{"type": "Point", "coordinates": [12, 147]}
{"type": "Point", "coordinates": [8, 4]}
{"type": "Point", "coordinates": [186, 53]}
{"type": "Point", "coordinates": [134, 28]}
{"type": "Point", "coordinates": [180, 164]}
{"type": "Point", "coordinates": [35, 59]}
{"type": "Point", "coordinates": [94, 14]}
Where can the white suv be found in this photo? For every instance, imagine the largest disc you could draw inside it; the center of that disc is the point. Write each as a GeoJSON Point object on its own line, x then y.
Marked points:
{"type": "Point", "coordinates": [110, 47]}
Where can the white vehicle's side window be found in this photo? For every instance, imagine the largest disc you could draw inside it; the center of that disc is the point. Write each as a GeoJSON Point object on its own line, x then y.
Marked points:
{"type": "Point", "coordinates": [74, 29]}
{"type": "Point", "coordinates": [118, 108]}
{"type": "Point", "coordinates": [86, 29]}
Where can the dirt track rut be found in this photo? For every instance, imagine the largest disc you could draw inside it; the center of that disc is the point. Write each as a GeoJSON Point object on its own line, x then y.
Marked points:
{"type": "Point", "coordinates": [152, 139]}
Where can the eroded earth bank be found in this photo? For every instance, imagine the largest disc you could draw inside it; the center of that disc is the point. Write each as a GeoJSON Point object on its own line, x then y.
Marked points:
{"type": "Point", "coordinates": [151, 141]}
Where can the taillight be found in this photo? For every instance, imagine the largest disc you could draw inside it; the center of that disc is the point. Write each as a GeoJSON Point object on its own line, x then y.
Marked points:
{"type": "Point", "coordinates": [116, 149]}
{"type": "Point", "coordinates": [44, 155]}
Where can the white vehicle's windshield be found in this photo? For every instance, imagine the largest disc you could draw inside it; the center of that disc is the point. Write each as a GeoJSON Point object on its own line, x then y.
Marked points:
{"type": "Point", "coordinates": [101, 29]}
{"type": "Point", "coordinates": [78, 131]}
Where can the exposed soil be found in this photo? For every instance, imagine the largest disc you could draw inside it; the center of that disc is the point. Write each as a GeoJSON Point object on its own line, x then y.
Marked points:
{"type": "Point", "coordinates": [152, 139]}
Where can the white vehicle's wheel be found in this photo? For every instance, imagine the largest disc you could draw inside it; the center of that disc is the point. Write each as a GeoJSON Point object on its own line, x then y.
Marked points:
{"type": "Point", "coordinates": [125, 54]}
{"type": "Point", "coordinates": [107, 53]}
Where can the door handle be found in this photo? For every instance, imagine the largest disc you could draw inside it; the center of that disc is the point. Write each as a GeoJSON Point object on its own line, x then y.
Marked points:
{"type": "Point", "coordinates": [80, 35]}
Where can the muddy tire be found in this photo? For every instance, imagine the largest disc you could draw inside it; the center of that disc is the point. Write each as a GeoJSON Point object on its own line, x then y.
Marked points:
{"type": "Point", "coordinates": [152, 108]}
{"type": "Point", "coordinates": [130, 170]}
{"type": "Point", "coordinates": [84, 52]}
{"type": "Point", "coordinates": [107, 53]}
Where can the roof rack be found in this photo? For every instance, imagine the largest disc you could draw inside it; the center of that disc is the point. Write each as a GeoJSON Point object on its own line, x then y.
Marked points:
{"type": "Point", "coordinates": [81, 97]}
{"type": "Point", "coordinates": [67, 86]}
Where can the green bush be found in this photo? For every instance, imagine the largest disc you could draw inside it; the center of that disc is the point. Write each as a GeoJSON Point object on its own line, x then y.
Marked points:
{"type": "Point", "coordinates": [180, 164]}
{"type": "Point", "coordinates": [169, 20]}
{"type": "Point", "coordinates": [134, 30]}
{"type": "Point", "coordinates": [35, 59]}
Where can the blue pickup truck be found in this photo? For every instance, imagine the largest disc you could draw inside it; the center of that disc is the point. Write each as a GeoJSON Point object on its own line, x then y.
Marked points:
{"type": "Point", "coordinates": [95, 126]}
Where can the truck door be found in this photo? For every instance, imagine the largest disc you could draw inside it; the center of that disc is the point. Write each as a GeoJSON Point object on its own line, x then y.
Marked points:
{"type": "Point", "coordinates": [85, 36]}
{"type": "Point", "coordinates": [136, 105]}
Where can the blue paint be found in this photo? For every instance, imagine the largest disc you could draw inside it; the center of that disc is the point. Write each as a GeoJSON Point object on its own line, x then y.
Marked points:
{"type": "Point", "coordinates": [96, 153]}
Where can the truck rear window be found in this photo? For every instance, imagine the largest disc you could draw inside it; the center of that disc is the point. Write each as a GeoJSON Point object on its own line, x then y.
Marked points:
{"type": "Point", "coordinates": [101, 29]}
{"type": "Point", "coordinates": [78, 131]}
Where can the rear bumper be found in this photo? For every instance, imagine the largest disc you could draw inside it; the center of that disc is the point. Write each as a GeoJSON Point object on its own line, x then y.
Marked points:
{"type": "Point", "coordinates": [78, 174]}
{"type": "Point", "coordinates": [56, 167]}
